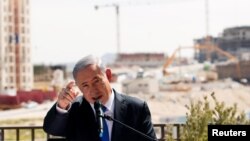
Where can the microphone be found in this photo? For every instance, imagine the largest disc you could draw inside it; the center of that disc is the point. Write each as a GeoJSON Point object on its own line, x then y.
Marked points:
{"type": "Point", "coordinates": [129, 127]}
{"type": "Point", "coordinates": [99, 114]}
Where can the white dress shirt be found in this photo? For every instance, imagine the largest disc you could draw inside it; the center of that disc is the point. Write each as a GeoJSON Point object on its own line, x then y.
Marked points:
{"type": "Point", "coordinates": [110, 112]}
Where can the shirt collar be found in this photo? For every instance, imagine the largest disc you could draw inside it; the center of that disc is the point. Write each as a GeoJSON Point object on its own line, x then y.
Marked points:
{"type": "Point", "coordinates": [109, 104]}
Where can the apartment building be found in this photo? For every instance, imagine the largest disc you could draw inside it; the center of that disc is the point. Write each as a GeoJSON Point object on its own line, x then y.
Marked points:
{"type": "Point", "coordinates": [234, 41]}
{"type": "Point", "coordinates": [16, 70]}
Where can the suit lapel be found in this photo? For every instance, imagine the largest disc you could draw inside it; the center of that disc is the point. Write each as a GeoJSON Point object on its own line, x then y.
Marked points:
{"type": "Point", "coordinates": [86, 121]}
{"type": "Point", "coordinates": [120, 112]}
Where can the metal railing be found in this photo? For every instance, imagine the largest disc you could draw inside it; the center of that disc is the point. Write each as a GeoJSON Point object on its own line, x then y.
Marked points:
{"type": "Point", "coordinates": [36, 133]}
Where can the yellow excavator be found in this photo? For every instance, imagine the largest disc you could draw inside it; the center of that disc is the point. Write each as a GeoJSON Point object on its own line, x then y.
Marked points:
{"type": "Point", "coordinates": [170, 60]}
{"type": "Point", "coordinates": [209, 47]}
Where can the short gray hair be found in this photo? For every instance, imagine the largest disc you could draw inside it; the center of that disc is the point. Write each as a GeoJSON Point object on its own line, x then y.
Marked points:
{"type": "Point", "coordinates": [88, 60]}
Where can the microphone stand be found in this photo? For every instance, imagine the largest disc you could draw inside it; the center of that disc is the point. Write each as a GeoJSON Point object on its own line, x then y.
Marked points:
{"type": "Point", "coordinates": [117, 121]}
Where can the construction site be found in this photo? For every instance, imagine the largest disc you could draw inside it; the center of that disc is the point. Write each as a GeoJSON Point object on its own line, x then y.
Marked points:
{"type": "Point", "coordinates": [167, 81]}
{"type": "Point", "coordinates": [176, 81]}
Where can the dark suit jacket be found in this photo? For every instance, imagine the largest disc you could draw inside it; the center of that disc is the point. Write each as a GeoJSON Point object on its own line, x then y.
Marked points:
{"type": "Point", "coordinates": [79, 123]}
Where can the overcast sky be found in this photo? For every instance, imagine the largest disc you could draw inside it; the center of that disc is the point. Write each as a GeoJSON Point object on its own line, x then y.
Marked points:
{"type": "Point", "coordinates": [65, 30]}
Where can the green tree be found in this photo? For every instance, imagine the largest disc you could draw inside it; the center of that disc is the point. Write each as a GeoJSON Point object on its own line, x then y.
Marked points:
{"type": "Point", "coordinates": [201, 114]}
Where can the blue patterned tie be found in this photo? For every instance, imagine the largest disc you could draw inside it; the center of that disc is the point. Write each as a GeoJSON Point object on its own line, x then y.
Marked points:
{"type": "Point", "coordinates": [105, 136]}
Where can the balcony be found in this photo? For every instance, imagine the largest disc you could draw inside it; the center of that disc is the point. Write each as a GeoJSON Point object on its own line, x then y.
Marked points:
{"type": "Point", "coordinates": [36, 133]}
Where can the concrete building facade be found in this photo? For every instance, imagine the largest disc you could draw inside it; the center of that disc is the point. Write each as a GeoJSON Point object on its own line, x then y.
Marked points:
{"type": "Point", "coordinates": [140, 85]}
{"type": "Point", "coordinates": [234, 40]}
{"type": "Point", "coordinates": [144, 60]}
{"type": "Point", "coordinates": [16, 69]}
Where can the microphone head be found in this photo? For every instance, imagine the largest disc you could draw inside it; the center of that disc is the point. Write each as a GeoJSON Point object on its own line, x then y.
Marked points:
{"type": "Point", "coordinates": [99, 114]}
{"type": "Point", "coordinates": [97, 104]}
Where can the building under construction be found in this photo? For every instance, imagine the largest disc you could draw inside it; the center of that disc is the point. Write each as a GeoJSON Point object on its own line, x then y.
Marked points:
{"type": "Point", "coordinates": [16, 71]}
{"type": "Point", "coordinates": [235, 41]}
{"type": "Point", "coordinates": [144, 60]}
{"type": "Point", "coordinates": [234, 44]}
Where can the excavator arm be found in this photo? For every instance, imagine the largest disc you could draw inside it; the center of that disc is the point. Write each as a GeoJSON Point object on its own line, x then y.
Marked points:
{"type": "Point", "coordinates": [224, 53]}
{"type": "Point", "coordinates": [170, 60]}
{"type": "Point", "coordinates": [210, 47]}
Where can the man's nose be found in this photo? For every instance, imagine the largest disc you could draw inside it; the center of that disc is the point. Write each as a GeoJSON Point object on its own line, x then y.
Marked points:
{"type": "Point", "coordinates": [93, 89]}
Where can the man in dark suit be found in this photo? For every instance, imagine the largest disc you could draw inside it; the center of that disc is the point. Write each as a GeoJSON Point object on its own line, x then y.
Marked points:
{"type": "Point", "coordinates": [74, 117]}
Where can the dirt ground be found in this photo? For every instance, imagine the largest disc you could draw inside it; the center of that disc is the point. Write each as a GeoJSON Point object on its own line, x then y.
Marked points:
{"type": "Point", "coordinates": [163, 105]}
{"type": "Point", "coordinates": [171, 104]}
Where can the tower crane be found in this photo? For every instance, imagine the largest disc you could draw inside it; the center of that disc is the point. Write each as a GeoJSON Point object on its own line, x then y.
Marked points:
{"type": "Point", "coordinates": [117, 9]}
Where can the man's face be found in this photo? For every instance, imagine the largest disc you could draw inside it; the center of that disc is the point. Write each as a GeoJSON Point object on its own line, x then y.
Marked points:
{"type": "Point", "coordinates": [94, 84]}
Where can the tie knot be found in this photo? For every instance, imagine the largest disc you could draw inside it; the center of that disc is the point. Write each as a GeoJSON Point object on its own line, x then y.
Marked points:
{"type": "Point", "coordinates": [104, 109]}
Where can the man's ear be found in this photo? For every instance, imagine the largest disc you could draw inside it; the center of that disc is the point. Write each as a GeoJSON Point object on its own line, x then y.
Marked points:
{"type": "Point", "coordinates": [109, 74]}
